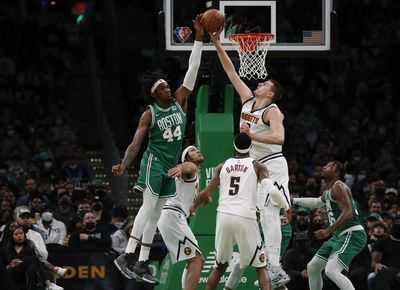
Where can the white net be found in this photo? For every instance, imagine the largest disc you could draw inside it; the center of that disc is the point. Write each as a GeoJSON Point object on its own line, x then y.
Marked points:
{"type": "Point", "coordinates": [252, 49]}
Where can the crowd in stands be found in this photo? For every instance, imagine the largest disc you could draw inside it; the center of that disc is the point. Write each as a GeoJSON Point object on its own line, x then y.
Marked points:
{"type": "Point", "coordinates": [345, 108]}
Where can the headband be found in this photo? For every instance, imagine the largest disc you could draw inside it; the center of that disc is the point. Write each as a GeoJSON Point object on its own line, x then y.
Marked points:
{"type": "Point", "coordinates": [242, 151]}
{"type": "Point", "coordinates": [156, 84]}
{"type": "Point", "coordinates": [186, 152]}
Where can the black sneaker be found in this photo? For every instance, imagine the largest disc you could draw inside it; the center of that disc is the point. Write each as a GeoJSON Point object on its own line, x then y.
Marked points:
{"type": "Point", "coordinates": [125, 263]}
{"type": "Point", "coordinates": [141, 269]}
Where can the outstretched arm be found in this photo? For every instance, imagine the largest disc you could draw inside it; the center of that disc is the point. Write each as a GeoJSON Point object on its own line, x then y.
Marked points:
{"type": "Point", "coordinates": [206, 193]}
{"type": "Point", "coordinates": [133, 148]}
{"type": "Point", "coordinates": [185, 170]}
{"type": "Point", "coordinates": [242, 89]}
{"type": "Point", "coordinates": [184, 91]}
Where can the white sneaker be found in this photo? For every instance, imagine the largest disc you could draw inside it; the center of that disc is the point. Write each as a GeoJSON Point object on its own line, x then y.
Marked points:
{"type": "Point", "coordinates": [60, 271]}
{"type": "Point", "coordinates": [277, 275]}
{"type": "Point", "coordinates": [53, 286]}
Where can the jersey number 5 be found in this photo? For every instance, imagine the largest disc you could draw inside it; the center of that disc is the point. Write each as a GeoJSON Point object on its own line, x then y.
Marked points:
{"type": "Point", "coordinates": [170, 136]}
{"type": "Point", "coordinates": [234, 187]}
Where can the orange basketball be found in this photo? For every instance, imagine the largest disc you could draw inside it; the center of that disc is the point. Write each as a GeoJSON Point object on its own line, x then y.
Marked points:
{"type": "Point", "coordinates": [212, 20]}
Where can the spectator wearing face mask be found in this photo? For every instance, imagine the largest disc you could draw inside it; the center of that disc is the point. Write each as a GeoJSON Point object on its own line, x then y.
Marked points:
{"type": "Point", "coordinates": [385, 261]}
{"type": "Point", "coordinates": [119, 214]}
{"type": "Point", "coordinates": [120, 237]}
{"type": "Point", "coordinates": [82, 206]}
{"type": "Point", "coordinates": [89, 238]}
{"type": "Point", "coordinates": [64, 212]}
{"type": "Point", "coordinates": [361, 265]}
{"type": "Point", "coordinates": [100, 212]}
{"type": "Point", "coordinates": [52, 230]}
{"type": "Point", "coordinates": [295, 262]}
{"type": "Point", "coordinates": [316, 224]}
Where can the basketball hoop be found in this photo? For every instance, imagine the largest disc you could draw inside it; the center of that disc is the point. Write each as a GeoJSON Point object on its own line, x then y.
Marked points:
{"type": "Point", "coordinates": [252, 49]}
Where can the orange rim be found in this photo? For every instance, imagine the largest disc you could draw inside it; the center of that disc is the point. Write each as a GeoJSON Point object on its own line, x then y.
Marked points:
{"type": "Point", "coordinates": [248, 41]}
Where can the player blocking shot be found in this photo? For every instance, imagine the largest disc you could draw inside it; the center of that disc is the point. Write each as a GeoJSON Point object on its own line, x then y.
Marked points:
{"type": "Point", "coordinates": [165, 121]}
{"type": "Point", "coordinates": [262, 120]}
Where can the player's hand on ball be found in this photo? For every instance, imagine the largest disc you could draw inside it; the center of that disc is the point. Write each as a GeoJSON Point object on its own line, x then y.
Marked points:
{"type": "Point", "coordinates": [214, 36]}
{"type": "Point", "coordinates": [197, 25]}
{"type": "Point", "coordinates": [118, 170]}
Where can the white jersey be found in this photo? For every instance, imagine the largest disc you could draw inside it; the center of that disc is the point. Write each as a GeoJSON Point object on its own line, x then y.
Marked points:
{"type": "Point", "coordinates": [238, 188]}
{"type": "Point", "coordinates": [255, 119]}
{"type": "Point", "coordinates": [186, 193]}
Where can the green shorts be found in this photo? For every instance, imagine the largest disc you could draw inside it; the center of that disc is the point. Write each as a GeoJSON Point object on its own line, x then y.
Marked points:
{"type": "Point", "coordinates": [346, 247]}
{"type": "Point", "coordinates": [286, 231]}
{"type": "Point", "coordinates": [153, 175]}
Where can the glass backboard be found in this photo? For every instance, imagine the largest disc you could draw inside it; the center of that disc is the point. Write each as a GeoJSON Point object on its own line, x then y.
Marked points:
{"type": "Point", "coordinates": [299, 25]}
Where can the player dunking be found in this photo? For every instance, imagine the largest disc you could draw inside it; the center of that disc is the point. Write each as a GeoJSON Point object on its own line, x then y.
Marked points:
{"type": "Point", "coordinates": [178, 237]}
{"type": "Point", "coordinates": [165, 120]}
{"type": "Point", "coordinates": [238, 179]}
{"type": "Point", "coordinates": [348, 237]}
{"type": "Point", "coordinates": [262, 121]}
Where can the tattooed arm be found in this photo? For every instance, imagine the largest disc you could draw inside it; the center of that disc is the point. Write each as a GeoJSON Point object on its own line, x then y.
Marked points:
{"type": "Point", "coordinates": [133, 148]}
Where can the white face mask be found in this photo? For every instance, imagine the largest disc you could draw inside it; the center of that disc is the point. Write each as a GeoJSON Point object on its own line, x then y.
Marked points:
{"type": "Point", "coordinates": [47, 216]}
{"type": "Point", "coordinates": [119, 224]}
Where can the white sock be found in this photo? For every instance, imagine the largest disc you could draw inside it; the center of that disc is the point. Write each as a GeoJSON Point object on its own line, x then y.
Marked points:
{"type": "Point", "coordinates": [132, 244]}
{"type": "Point", "coordinates": [142, 217]}
{"type": "Point", "coordinates": [333, 271]}
{"type": "Point", "coordinates": [314, 268]}
{"type": "Point", "coordinates": [235, 276]}
{"type": "Point", "coordinates": [144, 253]}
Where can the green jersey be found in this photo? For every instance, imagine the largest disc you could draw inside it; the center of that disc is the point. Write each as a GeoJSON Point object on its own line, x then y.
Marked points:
{"type": "Point", "coordinates": [166, 133]}
{"type": "Point", "coordinates": [334, 211]}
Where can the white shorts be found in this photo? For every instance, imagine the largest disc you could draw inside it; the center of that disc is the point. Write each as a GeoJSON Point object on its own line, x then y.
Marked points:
{"type": "Point", "coordinates": [178, 237]}
{"type": "Point", "coordinates": [232, 230]}
{"type": "Point", "coordinates": [279, 176]}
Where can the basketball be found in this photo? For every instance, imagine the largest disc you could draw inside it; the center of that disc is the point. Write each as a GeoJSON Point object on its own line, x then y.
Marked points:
{"type": "Point", "coordinates": [212, 20]}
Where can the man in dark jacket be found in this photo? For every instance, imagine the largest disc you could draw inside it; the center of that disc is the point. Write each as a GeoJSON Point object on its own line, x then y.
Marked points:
{"type": "Point", "coordinates": [295, 262]}
{"type": "Point", "coordinates": [89, 238]}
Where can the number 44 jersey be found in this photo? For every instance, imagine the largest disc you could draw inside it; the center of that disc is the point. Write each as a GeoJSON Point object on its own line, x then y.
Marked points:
{"type": "Point", "coordinates": [166, 133]}
{"type": "Point", "coordinates": [238, 188]}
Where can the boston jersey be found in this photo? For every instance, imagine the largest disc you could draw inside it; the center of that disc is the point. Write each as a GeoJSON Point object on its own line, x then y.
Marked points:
{"type": "Point", "coordinates": [186, 193]}
{"type": "Point", "coordinates": [255, 119]}
{"type": "Point", "coordinates": [238, 188]}
{"type": "Point", "coordinates": [166, 133]}
{"type": "Point", "coordinates": [334, 211]}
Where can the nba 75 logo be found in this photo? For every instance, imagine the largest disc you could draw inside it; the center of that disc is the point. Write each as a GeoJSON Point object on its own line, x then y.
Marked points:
{"type": "Point", "coordinates": [182, 33]}
{"type": "Point", "coordinates": [209, 264]}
